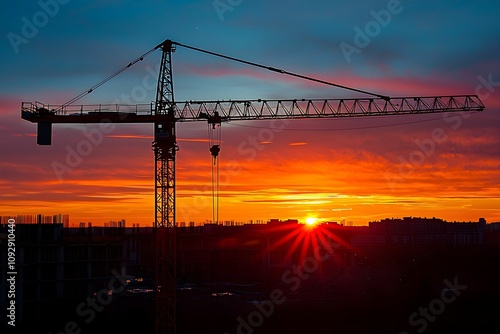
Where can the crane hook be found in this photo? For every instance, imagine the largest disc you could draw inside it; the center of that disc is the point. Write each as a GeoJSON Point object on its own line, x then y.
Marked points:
{"type": "Point", "coordinates": [214, 150]}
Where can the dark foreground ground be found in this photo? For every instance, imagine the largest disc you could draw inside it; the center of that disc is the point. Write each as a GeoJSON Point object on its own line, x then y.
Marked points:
{"type": "Point", "coordinates": [411, 291]}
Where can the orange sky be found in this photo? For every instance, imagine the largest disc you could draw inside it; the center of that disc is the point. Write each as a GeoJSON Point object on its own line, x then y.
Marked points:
{"type": "Point", "coordinates": [334, 170]}
{"type": "Point", "coordinates": [341, 169]}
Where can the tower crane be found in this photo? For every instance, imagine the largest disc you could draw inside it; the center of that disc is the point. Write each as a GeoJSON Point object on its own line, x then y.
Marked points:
{"type": "Point", "coordinates": [165, 113]}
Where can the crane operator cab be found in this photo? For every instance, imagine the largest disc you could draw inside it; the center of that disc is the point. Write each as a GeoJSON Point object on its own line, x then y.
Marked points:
{"type": "Point", "coordinates": [165, 140]}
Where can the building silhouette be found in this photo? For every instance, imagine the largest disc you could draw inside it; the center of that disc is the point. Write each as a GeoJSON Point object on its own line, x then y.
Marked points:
{"type": "Point", "coordinates": [416, 231]}
{"type": "Point", "coordinates": [59, 267]}
{"type": "Point", "coordinates": [37, 219]}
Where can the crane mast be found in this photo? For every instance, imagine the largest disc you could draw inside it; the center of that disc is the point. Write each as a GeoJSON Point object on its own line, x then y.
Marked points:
{"type": "Point", "coordinates": [166, 112]}
{"type": "Point", "coordinates": [165, 148]}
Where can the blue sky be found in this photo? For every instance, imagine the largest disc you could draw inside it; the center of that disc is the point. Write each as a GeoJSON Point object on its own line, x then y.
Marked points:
{"type": "Point", "coordinates": [449, 39]}
{"type": "Point", "coordinates": [421, 48]}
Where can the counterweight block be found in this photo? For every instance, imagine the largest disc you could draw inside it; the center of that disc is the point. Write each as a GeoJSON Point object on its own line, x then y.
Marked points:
{"type": "Point", "coordinates": [44, 133]}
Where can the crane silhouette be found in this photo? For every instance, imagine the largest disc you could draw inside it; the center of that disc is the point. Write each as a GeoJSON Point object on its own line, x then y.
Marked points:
{"type": "Point", "coordinates": [165, 113]}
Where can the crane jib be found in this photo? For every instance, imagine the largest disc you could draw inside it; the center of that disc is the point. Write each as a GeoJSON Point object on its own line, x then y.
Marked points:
{"type": "Point", "coordinates": [223, 111]}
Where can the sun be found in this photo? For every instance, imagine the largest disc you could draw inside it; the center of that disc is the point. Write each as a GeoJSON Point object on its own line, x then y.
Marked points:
{"type": "Point", "coordinates": [311, 221]}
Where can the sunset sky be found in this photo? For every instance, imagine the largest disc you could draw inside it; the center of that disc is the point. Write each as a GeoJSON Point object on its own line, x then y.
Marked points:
{"type": "Point", "coordinates": [354, 169]}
